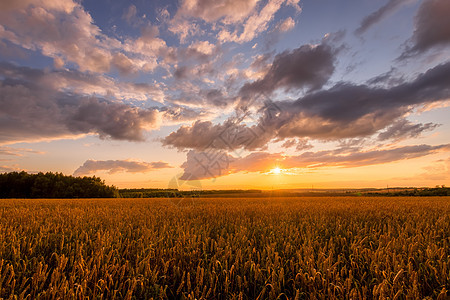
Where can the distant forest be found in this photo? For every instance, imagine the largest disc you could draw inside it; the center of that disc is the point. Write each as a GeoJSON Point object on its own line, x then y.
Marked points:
{"type": "Point", "coordinates": [58, 185]}
{"type": "Point", "coordinates": [53, 185]}
{"type": "Point", "coordinates": [422, 192]}
{"type": "Point", "coordinates": [175, 193]}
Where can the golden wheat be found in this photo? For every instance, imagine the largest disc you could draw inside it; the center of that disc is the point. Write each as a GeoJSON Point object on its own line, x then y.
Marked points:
{"type": "Point", "coordinates": [281, 248]}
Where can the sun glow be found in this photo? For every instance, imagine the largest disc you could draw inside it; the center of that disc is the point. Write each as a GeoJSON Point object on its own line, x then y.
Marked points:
{"type": "Point", "coordinates": [276, 170]}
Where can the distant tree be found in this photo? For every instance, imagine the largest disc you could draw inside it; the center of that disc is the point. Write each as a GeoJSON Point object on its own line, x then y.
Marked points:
{"type": "Point", "coordinates": [53, 185]}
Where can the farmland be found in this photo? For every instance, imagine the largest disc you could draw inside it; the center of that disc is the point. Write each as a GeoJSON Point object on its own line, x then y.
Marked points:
{"type": "Point", "coordinates": [224, 248]}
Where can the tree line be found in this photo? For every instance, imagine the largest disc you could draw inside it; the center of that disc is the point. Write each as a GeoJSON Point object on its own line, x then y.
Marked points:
{"type": "Point", "coordinates": [420, 192]}
{"type": "Point", "coordinates": [53, 185]}
{"type": "Point", "coordinates": [175, 193]}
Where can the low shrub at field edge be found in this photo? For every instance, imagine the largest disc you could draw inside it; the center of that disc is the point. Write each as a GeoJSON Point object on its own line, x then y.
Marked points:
{"type": "Point", "coordinates": [294, 248]}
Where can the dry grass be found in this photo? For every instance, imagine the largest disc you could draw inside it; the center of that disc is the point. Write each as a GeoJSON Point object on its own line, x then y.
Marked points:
{"type": "Point", "coordinates": [285, 248]}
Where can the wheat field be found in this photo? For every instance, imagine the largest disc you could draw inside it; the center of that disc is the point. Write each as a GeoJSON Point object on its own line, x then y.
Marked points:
{"type": "Point", "coordinates": [219, 248]}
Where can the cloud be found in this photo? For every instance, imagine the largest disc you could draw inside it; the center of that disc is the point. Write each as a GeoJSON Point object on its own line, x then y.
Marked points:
{"type": "Point", "coordinates": [300, 144]}
{"type": "Point", "coordinates": [438, 170]}
{"type": "Point", "coordinates": [203, 47]}
{"type": "Point", "coordinates": [145, 50]}
{"type": "Point", "coordinates": [194, 63]}
{"type": "Point", "coordinates": [389, 79]}
{"type": "Point", "coordinates": [66, 33]}
{"type": "Point", "coordinates": [62, 5]}
{"type": "Point", "coordinates": [357, 158]}
{"type": "Point", "coordinates": [236, 21]}
{"type": "Point", "coordinates": [403, 129]}
{"type": "Point", "coordinates": [216, 163]}
{"type": "Point", "coordinates": [33, 108]}
{"type": "Point", "coordinates": [191, 95]}
{"type": "Point", "coordinates": [382, 13]}
{"type": "Point", "coordinates": [341, 112]}
{"type": "Point", "coordinates": [432, 28]}
{"type": "Point", "coordinates": [178, 114]}
{"type": "Point", "coordinates": [349, 111]}
{"type": "Point", "coordinates": [230, 135]}
{"type": "Point", "coordinates": [256, 23]}
{"type": "Point", "coordinates": [205, 164]}
{"type": "Point", "coordinates": [5, 168]}
{"type": "Point", "coordinates": [130, 14]}
{"type": "Point", "coordinates": [115, 166]}
{"type": "Point", "coordinates": [215, 97]}
{"type": "Point", "coordinates": [186, 22]}
{"type": "Point", "coordinates": [286, 25]}
{"type": "Point", "coordinates": [273, 36]}
{"type": "Point", "coordinates": [76, 82]}
{"type": "Point", "coordinates": [256, 162]}
{"type": "Point", "coordinates": [213, 164]}
{"type": "Point", "coordinates": [4, 150]}
{"type": "Point", "coordinates": [307, 66]}
{"type": "Point", "coordinates": [230, 11]}
{"type": "Point", "coordinates": [118, 121]}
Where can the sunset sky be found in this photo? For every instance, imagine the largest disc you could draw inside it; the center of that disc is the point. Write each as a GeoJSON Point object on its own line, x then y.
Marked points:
{"type": "Point", "coordinates": [228, 94]}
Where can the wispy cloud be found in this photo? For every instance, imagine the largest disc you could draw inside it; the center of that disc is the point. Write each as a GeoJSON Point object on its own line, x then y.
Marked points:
{"type": "Point", "coordinates": [199, 165]}
{"type": "Point", "coordinates": [403, 129]}
{"type": "Point", "coordinates": [381, 14]}
{"type": "Point", "coordinates": [12, 151]}
{"type": "Point", "coordinates": [115, 166]}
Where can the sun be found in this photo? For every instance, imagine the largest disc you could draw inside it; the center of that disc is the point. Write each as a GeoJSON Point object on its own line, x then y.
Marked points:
{"type": "Point", "coordinates": [276, 170]}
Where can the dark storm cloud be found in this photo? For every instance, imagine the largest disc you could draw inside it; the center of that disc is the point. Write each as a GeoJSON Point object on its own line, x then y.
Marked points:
{"type": "Point", "coordinates": [115, 166]}
{"type": "Point", "coordinates": [32, 108]}
{"type": "Point", "coordinates": [305, 67]}
{"type": "Point", "coordinates": [343, 111]}
{"type": "Point", "coordinates": [432, 27]}
{"type": "Point", "coordinates": [379, 15]}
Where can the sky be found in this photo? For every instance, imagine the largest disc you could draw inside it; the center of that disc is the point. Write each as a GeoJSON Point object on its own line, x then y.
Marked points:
{"type": "Point", "coordinates": [232, 94]}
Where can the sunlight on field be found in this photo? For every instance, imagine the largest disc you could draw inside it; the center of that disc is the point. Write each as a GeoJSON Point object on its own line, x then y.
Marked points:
{"type": "Point", "coordinates": [286, 248]}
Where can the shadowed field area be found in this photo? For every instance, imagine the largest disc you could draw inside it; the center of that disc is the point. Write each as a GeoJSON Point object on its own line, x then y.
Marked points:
{"type": "Point", "coordinates": [223, 248]}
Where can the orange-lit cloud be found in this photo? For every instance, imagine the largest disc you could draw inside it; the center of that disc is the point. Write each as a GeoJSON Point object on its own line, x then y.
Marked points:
{"type": "Point", "coordinates": [115, 166]}
{"type": "Point", "coordinates": [216, 163]}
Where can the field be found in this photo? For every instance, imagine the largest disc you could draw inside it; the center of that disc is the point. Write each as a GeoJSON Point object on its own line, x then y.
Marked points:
{"type": "Point", "coordinates": [219, 248]}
